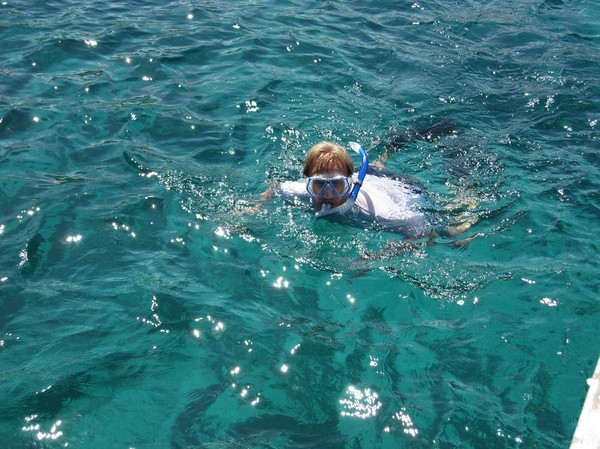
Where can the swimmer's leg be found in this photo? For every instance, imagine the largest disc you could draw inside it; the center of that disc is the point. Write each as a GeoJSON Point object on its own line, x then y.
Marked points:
{"type": "Point", "coordinates": [381, 160]}
{"type": "Point", "coordinates": [395, 140]}
{"type": "Point", "coordinates": [464, 205]}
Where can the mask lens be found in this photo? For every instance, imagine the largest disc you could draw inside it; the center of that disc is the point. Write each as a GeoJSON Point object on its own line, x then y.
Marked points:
{"type": "Point", "coordinates": [316, 186]}
{"type": "Point", "coordinates": [340, 185]}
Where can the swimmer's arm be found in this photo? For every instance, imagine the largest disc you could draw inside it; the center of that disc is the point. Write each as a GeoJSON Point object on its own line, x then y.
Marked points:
{"type": "Point", "coordinates": [269, 193]}
{"type": "Point", "coordinates": [289, 189]}
{"type": "Point", "coordinates": [258, 205]}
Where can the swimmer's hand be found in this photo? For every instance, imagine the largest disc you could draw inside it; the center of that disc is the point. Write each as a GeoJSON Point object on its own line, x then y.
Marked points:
{"type": "Point", "coordinates": [247, 210]}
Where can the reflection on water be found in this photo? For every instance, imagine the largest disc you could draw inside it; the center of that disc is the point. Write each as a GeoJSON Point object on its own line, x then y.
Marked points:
{"type": "Point", "coordinates": [360, 404]}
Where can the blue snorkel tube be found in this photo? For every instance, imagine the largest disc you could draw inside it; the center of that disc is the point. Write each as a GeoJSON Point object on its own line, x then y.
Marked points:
{"type": "Point", "coordinates": [327, 210]}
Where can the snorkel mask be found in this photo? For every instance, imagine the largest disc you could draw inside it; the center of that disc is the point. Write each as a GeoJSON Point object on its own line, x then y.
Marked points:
{"type": "Point", "coordinates": [338, 186]}
{"type": "Point", "coordinates": [326, 209]}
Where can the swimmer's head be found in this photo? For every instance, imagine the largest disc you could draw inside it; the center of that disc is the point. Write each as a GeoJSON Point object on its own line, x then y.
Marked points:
{"type": "Point", "coordinates": [328, 160]}
{"type": "Point", "coordinates": [327, 157]}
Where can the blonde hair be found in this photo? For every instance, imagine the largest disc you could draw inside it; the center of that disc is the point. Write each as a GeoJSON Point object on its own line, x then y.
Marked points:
{"type": "Point", "coordinates": [327, 156]}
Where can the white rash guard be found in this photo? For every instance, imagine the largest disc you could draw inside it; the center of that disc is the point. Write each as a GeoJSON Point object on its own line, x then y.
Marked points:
{"type": "Point", "coordinates": [390, 201]}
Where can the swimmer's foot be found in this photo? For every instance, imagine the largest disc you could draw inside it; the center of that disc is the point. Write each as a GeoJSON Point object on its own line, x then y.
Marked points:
{"type": "Point", "coordinates": [456, 230]}
{"type": "Point", "coordinates": [463, 243]}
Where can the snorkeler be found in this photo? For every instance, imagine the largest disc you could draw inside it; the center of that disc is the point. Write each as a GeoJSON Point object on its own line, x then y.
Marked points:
{"type": "Point", "coordinates": [330, 181]}
{"type": "Point", "coordinates": [395, 201]}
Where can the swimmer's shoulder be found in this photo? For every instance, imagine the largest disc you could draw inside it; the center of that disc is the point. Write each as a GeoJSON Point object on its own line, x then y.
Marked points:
{"type": "Point", "coordinates": [291, 188]}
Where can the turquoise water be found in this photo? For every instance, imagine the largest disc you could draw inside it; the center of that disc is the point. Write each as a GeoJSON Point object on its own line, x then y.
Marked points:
{"type": "Point", "coordinates": [140, 309]}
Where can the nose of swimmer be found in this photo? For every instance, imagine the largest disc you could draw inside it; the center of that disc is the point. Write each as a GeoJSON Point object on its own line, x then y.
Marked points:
{"type": "Point", "coordinates": [328, 193]}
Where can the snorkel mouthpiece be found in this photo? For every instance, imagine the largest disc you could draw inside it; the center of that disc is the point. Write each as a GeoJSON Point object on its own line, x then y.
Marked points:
{"type": "Point", "coordinates": [326, 209]}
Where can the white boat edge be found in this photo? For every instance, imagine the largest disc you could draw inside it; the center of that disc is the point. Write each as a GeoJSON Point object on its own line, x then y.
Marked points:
{"type": "Point", "coordinates": [587, 432]}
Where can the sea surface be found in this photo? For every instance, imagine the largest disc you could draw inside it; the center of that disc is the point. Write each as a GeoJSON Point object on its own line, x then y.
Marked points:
{"type": "Point", "coordinates": [144, 305]}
